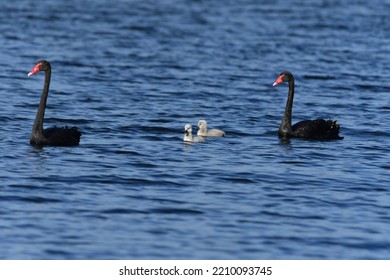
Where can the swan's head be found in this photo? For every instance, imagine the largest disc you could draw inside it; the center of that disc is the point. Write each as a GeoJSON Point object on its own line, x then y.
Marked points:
{"type": "Point", "coordinates": [202, 125]}
{"type": "Point", "coordinates": [41, 65]}
{"type": "Point", "coordinates": [283, 77]}
{"type": "Point", "coordinates": [188, 129]}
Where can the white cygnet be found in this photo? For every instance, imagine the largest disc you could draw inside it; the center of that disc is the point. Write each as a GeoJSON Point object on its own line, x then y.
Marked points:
{"type": "Point", "coordinates": [202, 125]}
{"type": "Point", "coordinates": [188, 135]}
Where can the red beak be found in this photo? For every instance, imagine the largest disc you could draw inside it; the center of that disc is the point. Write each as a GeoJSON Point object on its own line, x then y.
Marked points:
{"type": "Point", "coordinates": [278, 80]}
{"type": "Point", "coordinates": [35, 70]}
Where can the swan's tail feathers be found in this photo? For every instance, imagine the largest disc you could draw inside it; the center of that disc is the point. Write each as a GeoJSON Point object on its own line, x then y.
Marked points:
{"type": "Point", "coordinates": [334, 129]}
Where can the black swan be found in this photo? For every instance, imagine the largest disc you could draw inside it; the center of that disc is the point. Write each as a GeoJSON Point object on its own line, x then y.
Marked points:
{"type": "Point", "coordinates": [53, 136]}
{"type": "Point", "coordinates": [309, 129]}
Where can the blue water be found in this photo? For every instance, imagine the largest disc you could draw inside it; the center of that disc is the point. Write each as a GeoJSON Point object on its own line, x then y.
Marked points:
{"type": "Point", "coordinates": [131, 74]}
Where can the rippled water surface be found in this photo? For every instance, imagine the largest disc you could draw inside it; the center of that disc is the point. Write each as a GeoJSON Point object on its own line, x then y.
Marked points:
{"type": "Point", "coordinates": [131, 74]}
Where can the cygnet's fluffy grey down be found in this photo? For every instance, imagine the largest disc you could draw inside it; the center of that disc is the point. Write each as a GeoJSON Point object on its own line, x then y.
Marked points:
{"type": "Point", "coordinates": [188, 135]}
{"type": "Point", "coordinates": [202, 125]}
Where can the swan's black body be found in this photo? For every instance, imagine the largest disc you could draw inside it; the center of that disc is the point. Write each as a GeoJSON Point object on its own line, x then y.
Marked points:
{"type": "Point", "coordinates": [53, 136]}
{"type": "Point", "coordinates": [309, 129]}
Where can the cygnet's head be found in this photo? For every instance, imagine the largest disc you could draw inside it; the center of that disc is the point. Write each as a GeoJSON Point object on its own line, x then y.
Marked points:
{"type": "Point", "coordinates": [187, 133]}
{"type": "Point", "coordinates": [187, 129]}
{"type": "Point", "coordinates": [202, 125]}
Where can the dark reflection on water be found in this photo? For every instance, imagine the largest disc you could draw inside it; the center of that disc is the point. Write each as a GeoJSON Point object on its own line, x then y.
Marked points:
{"type": "Point", "coordinates": [130, 74]}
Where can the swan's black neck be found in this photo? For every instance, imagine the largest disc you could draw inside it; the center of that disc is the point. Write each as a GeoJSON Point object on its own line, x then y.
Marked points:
{"type": "Point", "coordinates": [285, 128]}
{"type": "Point", "coordinates": [37, 131]}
